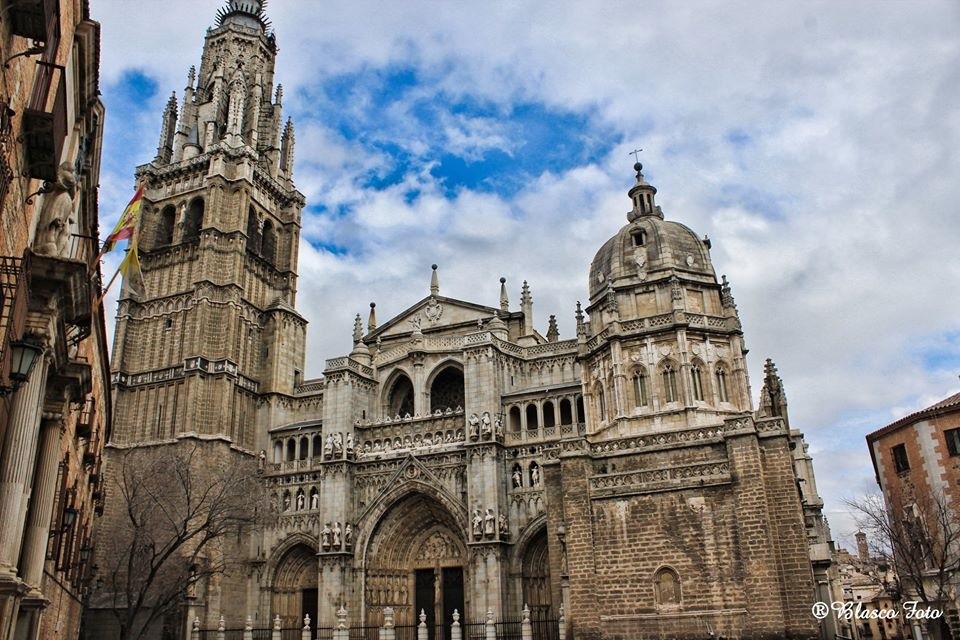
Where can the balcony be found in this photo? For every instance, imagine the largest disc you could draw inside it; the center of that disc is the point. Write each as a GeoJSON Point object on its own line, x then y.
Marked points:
{"type": "Point", "coordinates": [44, 128]}
{"type": "Point", "coordinates": [32, 18]}
{"type": "Point", "coordinates": [13, 309]}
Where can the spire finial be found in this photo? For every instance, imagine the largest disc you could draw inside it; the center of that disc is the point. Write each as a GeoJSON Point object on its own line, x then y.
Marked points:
{"type": "Point", "coordinates": [504, 298]}
{"type": "Point", "coordinates": [553, 333]}
{"type": "Point", "coordinates": [372, 320]}
{"type": "Point", "coordinates": [434, 281]}
{"type": "Point", "coordinates": [642, 195]}
{"type": "Point", "coordinates": [357, 329]}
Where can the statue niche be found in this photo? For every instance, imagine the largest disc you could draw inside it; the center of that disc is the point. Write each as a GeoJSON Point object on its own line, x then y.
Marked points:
{"type": "Point", "coordinates": [56, 214]}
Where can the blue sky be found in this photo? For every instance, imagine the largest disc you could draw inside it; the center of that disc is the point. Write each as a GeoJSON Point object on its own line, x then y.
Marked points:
{"type": "Point", "coordinates": [818, 152]}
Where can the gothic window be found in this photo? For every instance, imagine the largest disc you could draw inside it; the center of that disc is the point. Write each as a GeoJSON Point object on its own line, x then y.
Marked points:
{"type": "Point", "coordinates": [549, 417]}
{"type": "Point", "coordinates": [253, 232]}
{"type": "Point", "coordinates": [193, 221]}
{"type": "Point", "coordinates": [566, 412]}
{"type": "Point", "coordinates": [317, 445]}
{"type": "Point", "coordinates": [515, 422]}
{"type": "Point", "coordinates": [278, 451]}
{"type": "Point", "coordinates": [721, 376]}
{"type": "Point", "coordinates": [400, 400]}
{"type": "Point", "coordinates": [304, 447]}
{"type": "Point", "coordinates": [533, 423]}
{"type": "Point", "coordinates": [291, 450]}
{"type": "Point", "coordinates": [269, 247]}
{"type": "Point", "coordinates": [666, 585]}
{"type": "Point", "coordinates": [601, 403]}
{"type": "Point", "coordinates": [900, 461]}
{"type": "Point", "coordinates": [670, 384]}
{"type": "Point", "coordinates": [447, 391]}
{"type": "Point", "coordinates": [165, 224]}
{"type": "Point", "coordinates": [696, 381]}
{"type": "Point", "coordinates": [580, 410]}
{"type": "Point", "coordinates": [640, 394]}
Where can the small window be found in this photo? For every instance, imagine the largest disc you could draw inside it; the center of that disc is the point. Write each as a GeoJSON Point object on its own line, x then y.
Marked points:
{"type": "Point", "coordinates": [670, 384]}
{"type": "Point", "coordinates": [722, 385]}
{"type": "Point", "coordinates": [697, 381]}
{"type": "Point", "coordinates": [666, 584]}
{"type": "Point", "coordinates": [900, 461]}
{"type": "Point", "coordinates": [953, 441]}
{"type": "Point", "coordinates": [640, 389]}
{"type": "Point", "coordinates": [639, 238]}
{"type": "Point", "coordinates": [168, 323]}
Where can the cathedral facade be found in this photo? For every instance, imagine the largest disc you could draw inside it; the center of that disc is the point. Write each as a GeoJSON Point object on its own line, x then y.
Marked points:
{"type": "Point", "coordinates": [457, 458]}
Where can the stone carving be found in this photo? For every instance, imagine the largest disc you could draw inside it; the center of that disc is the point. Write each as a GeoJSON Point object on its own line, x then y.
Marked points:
{"type": "Point", "coordinates": [486, 428]}
{"type": "Point", "coordinates": [498, 428]}
{"type": "Point", "coordinates": [286, 502]}
{"type": "Point", "coordinates": [438, 547]}
{"type": "Point", "coordinates": [328, 446]}
{"type": "Point", "coordinates": [433, 310]}
{"type": "Point", "coordinates": [535, 475]}
{"type": "Point", "coordinates": [350, 445]}
{"type": "Point", "coordinates": [315, 501]}
{"type": "Point", "coordinates": [517, 477]}
{"type": "Point", "coordinates": [489, 524]}
{"type": "Point", "coordinates": [640, 259]}
{"type": "Point", "coordinates": [325, 536]}
{"type": "Point", "coordinates": [474, 422]}
{"type": "Point", "coordinates": [337, 445]}
{"type": "Point", "coordinates": [477, 523]}
{"type": "Point", "coordinates": [348, 536]}
{"type": "Point", "coordinates": [53, 230]}
{"type": "Point", "coordinates": [261, 460]}
{"type": "Point", "coordinates": [504, 526]}
{"type": "Point", "coordinates": [300, 501]}
{"type": "Point", "coordinates": [337, 533]}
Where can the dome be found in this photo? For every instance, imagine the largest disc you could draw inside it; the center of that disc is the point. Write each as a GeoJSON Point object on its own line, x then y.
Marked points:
{"type": "Point", "coordinates": [249, 13]}
{"type": "Point", "coordinates": [649, 246]}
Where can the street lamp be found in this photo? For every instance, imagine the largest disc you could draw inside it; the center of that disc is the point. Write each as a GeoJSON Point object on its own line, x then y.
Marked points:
{"type": "Point", "coordinates": [69, 516]}
{"type": "Point", "coordinates": [23, 356]}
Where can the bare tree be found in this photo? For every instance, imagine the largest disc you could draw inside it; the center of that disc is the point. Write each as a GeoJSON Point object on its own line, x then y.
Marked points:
{"type": "Point", "coordinates": [920, 533]}
{"type": "Point", "coordinates": [175, 517]}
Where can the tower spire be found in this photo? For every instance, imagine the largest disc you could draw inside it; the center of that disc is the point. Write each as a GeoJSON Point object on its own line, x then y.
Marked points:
{"type": "Point", "coordinates": [642, 195]}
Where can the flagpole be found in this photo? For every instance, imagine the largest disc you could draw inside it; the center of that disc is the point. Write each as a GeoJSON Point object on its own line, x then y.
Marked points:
{"type": "Point", "coordinates": [103, 294]}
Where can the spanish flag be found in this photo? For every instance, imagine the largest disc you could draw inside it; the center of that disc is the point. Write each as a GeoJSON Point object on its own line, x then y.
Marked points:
{"type": "Point", "coordinates": [130, 268]}
{"type": "Point", "coordinates": [126, 225]}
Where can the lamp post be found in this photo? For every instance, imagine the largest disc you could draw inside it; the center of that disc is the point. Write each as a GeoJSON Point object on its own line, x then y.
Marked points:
{"type": "Point", "coordinates": [23, 356]}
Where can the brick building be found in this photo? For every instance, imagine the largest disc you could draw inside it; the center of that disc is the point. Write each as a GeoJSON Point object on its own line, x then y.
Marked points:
{"type": "Point", "coordinates": [915, 461]}
{"type": "Point", "coordinates": [55, 415]}
{"type": "Point", "coordinates": [457, 457]}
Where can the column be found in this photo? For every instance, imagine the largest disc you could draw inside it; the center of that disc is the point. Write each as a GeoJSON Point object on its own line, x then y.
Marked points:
{"type": "Point", "coordinates": [37, 531]}
{"type": "Point", "coordinates": [16, 464]}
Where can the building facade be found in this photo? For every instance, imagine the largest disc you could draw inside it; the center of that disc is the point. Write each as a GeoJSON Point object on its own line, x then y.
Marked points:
{"type": "Point", "coordinates": [55, 414]}
{"type": "Point", "coordinates": [915, 461]}
{"type": "Point", "coordinates": [457, 458]}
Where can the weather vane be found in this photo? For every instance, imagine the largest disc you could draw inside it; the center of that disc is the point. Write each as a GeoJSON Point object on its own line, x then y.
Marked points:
{"type": "Point", "coordinates": [636, 154]}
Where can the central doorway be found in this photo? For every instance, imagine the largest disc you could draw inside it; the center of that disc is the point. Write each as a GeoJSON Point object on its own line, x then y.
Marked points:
{"type": "Point", "coordinates": [438, 593]}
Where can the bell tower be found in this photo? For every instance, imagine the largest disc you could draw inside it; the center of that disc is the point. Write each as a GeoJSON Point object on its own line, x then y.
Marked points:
{"type": "Point", "coordinates": [214, 338]}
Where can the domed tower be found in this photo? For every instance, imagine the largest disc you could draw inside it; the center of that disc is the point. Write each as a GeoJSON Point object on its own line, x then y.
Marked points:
{"type": "Point", "coordinates": [664, 346]}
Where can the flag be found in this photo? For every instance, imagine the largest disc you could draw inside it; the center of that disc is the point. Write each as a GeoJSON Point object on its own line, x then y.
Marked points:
{"type": "Point", "coordinates": [130, 268]}
{"type": "Point", "coordinates": [126, 225]}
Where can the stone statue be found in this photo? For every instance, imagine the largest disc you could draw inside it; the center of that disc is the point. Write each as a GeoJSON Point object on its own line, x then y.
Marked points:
{"type": "Point", "coordinates": [535, 475]}
{"type": "Point", "coordinates": [477, 523]}
{"type": "Point", "coordinates": [337, 445]}
{"type": "Point", "coordinates": [262, 460]}
{"type": "Point", "coordinates": [315, 501]}
{"type": "Point", "coordinates": [286, 502]}
{"type": "Point", "coordinates": [336, 535]}
{"type": "Point", "coordinates": [328, 446]}
{"type": "Point", "coordinates": [489, 524]}
{"type": "Point", "coordinates": [498, 428]}
{"type": "Point", "coordinates": [348, 536]}
{"type": "Point", "coordinates": [485, 427]}
{"type": "Point", "coordinates": [504, 526]}
{"type": "Point", "coordinates": [300, 502]}
{"type": "Point", "coordinates": [517, 478]}
{"type": "Point", "coordinates": [474, 422]}
{"type": "Point", "coordinates": [350, 445]}
{"type": "Point", "coordinates": [325, 537]}
{"type": "Point", "coordinates": [53, 229]}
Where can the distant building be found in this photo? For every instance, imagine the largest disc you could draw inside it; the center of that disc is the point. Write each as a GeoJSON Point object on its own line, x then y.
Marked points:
{"type": "Point", "coordinates": [916, 464]}
{"type": "Point", "coordinates": [55, 414]}
{"type": "Point", "coordinates": [457, 458]}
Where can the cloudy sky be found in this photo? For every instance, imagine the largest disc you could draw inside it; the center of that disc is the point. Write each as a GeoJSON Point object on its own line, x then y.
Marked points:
{"type": "Point", "coordinates": [816, 143]}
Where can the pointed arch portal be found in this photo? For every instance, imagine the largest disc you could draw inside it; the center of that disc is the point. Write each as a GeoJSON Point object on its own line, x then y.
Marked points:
{"type": "Point", "coordinates": [415, 560]}
{"type": "Point", "coordinates": [295, 586]}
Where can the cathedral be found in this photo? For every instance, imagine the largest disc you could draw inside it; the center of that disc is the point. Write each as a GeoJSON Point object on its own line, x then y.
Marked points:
{"type": "Point", "coordinates": [456, 458]}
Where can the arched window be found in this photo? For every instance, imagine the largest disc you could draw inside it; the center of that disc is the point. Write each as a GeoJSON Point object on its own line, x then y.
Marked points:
{"type": "Point", "coordinates": [696, 381]}
{"type": "Point", "coordinates": [269, 247]}
{"type": "Point", "coordinates": [400, 400]}
{"type": "Point", "coordinates": [304, 447]}
{"type": "Point", "coordinates": [278, 451]}
{"type": "Point", "coordinates": [721, 376]}
{"type": "Point", "coordinates": [317, 445]}
{"type": "Point", "coordinates": [580, 410]}
{"type": "Point", "coordinates": [666, 586]}
{"type": "Point", "coordinates": [193, 221]}
{"type": "Point", "coordinates": [291, 450]}
{"type": "Point", "coordinates": [165, 224]}
{"type": "Point", "coordinates": [549, 418]}
{"type": "Point", "coordinates": [566, 412]}
{"type": "Point", "coordinates": [533, 423]}
{"type": "Point", "coordinates": [601, 403]}
{"type": "Point", "coordinates": [253, 232]}
{"type": "Point", "coordinates": [515, 422]}
{"type": "Point", "coordinates": [670, 383]}
{"type": "Point", "coordinates": [640, 395]}
{"type": "Point", "coordinates": [446, 391]}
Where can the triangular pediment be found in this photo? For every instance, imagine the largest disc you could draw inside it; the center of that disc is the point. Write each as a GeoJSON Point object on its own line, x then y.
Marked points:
{"type": "Point", "coordinates": [434, 314]}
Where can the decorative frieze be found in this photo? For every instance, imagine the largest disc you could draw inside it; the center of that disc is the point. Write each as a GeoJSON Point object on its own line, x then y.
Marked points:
{"type": "Point", "coordinates": [664, 479]}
